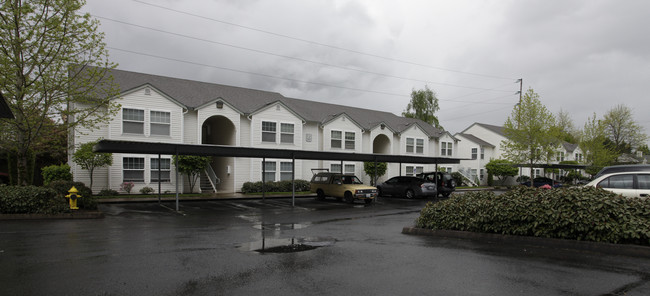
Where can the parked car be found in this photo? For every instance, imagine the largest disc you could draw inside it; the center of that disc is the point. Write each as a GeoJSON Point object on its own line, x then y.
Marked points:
{"type": "Point", "coordinates": [541, 181]}
{"type": "Point", "coordinates": [623, 168]}
{"type": "Point", "coordinates": [628, 184]}
{"type": "Point", "coordinates": [445, 183]}
{"type": "Point", "coordinates": [341, 186]}
{"type": "Point", "coordinates": [409, 187]}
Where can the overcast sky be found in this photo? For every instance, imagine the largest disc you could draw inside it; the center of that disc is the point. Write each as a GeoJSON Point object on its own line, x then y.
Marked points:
{"type": "Point", "coordinates": [579, 56]}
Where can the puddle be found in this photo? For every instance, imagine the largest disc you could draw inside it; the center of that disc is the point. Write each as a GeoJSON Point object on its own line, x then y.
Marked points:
{"type": "Point", "coordinates": [281, 226]}
{"type": "Point", "coordinates": [287, 245]}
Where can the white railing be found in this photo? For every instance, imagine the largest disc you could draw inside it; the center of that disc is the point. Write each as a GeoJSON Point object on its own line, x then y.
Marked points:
{"type": "Point", "coordinates": [212, 177]}
{"type": "Point", "coordinates": [468, 179]}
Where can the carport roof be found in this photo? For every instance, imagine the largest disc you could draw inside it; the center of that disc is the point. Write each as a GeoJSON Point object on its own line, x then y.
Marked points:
{"type": "Point", "coordinates": [113, 146]}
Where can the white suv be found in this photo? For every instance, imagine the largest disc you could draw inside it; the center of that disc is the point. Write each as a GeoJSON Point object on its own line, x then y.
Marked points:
{"type": "Point", "coordinates": [628, 184]}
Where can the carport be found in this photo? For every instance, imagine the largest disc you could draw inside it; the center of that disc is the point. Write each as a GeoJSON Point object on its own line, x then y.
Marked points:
{"type": "Point", "coordinates": [113, 146]}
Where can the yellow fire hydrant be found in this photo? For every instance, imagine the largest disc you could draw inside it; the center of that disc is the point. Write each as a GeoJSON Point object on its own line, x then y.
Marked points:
{"type": "Point", "coordinates": [72, 197]}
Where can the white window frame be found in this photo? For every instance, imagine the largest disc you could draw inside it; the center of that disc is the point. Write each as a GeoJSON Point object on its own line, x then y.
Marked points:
{"type": "Point", "coordinates": [165, 170]}
{"type": "Point", "coordinates": [474, 153]}
{"type": "Point", "coordinates": [349, 168]}
{"type": "Point", "coordinates": [415, 145]}
{"type": "Point", "coordinates": [132, 122]}
{"type": "Point", "coordinates": [269, 173]}
{"type": "Point", "coordinates": [273, 132]}
{"type": "Point", "coordinates": [287, 137]}
{"type": "Point", "coordinates": [446, 148]}
{"type": "Point", "coordinates": [131, 166]}
{"type": "Point", "coordinates": [154, 123]}
{"type": "Point", "coordinates": [412, 170]}
{"type": "Point", "coordinates": [350, 143]}
{"type": "Point", "coordinates": [336, 142]}
{"type": "Point", "coordinates": [286, 170]}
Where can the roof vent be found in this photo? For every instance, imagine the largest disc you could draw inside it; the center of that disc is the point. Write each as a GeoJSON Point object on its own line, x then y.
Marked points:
{"type": "Point", "coordinates": [147, 91]}
{"type": "Point", "coordinates": [277, 107]}
{"type": "Point", "coordinates": [219, 105]}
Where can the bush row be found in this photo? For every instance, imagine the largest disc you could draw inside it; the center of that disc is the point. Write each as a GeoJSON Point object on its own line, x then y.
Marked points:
{"type": "Point", "coordinates": [580, 213]}
{"type": "Point", "coordinates": [279, 186]}
{"type": "Point", "coordinates": [44, 200]}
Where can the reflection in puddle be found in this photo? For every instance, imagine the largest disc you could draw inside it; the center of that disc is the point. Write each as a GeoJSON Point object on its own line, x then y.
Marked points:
{"type": "Point", "coordinates": [272, 241]}
{"type": "Point", "coordinates": [287, 245]}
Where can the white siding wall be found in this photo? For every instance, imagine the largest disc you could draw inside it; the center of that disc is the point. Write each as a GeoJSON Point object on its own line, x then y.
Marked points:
{"type": "Point", "coordinates": [343, 124]}
{"type": "Point", "coordinates": [278, 114]}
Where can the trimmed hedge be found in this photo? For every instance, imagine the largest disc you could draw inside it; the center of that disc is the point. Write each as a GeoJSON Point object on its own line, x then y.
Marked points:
{"type": "Point", "coordinates": [87, 200]}
{"type": "Point", "coordinates": [31, 200]}
{"type": "Point", "coordinates": [280, 186]}
{"type": "Point", "coordinates": [579, 213]}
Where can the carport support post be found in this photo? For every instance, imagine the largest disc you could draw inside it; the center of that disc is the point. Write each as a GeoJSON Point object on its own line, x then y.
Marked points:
{"type": "Point", "coordinates": [177, 181]}
{"type": "Point", "coordinates": [159, 178]}
{"type": "Point", "coordinates": [263, 178]}
{"type": "Point", "coordinates": [293, 180]}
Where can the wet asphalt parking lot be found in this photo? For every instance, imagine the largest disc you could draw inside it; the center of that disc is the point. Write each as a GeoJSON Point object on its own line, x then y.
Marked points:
{"type": "Point", "coordinates": [242, 247]}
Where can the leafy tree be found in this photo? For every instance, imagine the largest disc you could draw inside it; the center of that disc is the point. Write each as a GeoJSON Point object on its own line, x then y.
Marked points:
{"type": "Point", "coordinates": [369, 169]}
{"type": "Point", "coordinates": [622, 129]}
{"type": "Point", "coordinates": [644, 148]}
{"type": "Point", "coordinates": [423, 106]}
{"type": "Point", "coordinates": [54, 69]}
{"type": "Point", "coordinates": [502, 169]}
{"type": "Point", "coordinates": [529, 132]}
{"type": "Point", "coordinates": [89, 160]}
{"type": "Point", "coordinates": [593, 143]}
{"type": "Point", "coordinates": [565, 129]}
{"type": "Point", "coordinates": [191, 166]}
{"type": "Point", "coordinates": [56, 173]}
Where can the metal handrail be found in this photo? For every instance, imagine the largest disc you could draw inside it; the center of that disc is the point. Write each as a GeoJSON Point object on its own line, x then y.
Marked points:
{"type": "Point", "coordinates": [212, 177]}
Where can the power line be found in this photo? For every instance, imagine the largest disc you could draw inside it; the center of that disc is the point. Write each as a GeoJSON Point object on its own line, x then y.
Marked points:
{"type": "Point", "coordinates": [267, 75]}
{"type": "Point", "coordinates": [321, 44]}
{"type": "Point", "coordinates": [294, 58]}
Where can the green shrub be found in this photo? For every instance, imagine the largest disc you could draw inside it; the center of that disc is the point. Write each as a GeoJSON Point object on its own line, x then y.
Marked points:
{"type": "Point", "coordinates": [147, 190]}
{"type": "Point", "coordinates": [280, 186]}
{"type": "Point", "coordinates": [579, 213]}
{"type": "Point", "coordinates": [31, 200]}
{"type": "Point", "coordinates": [108, 192]}
{"type": "Point", "coordinates": [87, 200]}
{"type": "Point", "coordinates": [56, 173]}
{"type": "Point", "coordinates": [458, 178]}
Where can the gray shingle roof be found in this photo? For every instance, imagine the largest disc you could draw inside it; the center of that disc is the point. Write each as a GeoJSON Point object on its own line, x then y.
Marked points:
{"type": "Point", "coordinates": [495, 128]}
{"type": "Point", "coordinates": [193, 94]}
{"type": "Point", "coordinates": [477, 140]}
{"type": "Point", "coordinates": [569, 147]}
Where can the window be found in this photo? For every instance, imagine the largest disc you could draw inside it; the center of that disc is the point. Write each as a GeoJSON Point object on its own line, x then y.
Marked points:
{"type": "Point", "coordinates": [286, 171]}
{"type": "Point", "coordinates": [446, 148]}
{"type": "Point", "coordinates": [349, 169]}
{"type": "Point", "coordinates": [482, 153]}
{"type": "Point", "coordinates": [269, 171]}
{"type": "Point", "coordinates": [349, 140]}
{"type": "Point", "coordinates": [482, 174]}
{"type": "Point", "coordinates": [578, 157]}
{"type": "Point", "coordinates": [474, 153]}
{"type": "Point", "coordinates": [560, 156]}
{"type": "Point", "coordinates": [473, 174]}
{"type": "Point", "coordinates": [337, 138]}
{"type": "Point", "coordinates": [618, 181]}
{"type": "Point", "coordinates": [644, 181]}
{"type": "Point", "coordinates": [410, 145]}
{"type": "Point", "coordinates": [286, 133]}
{"type": "Point", "coordinates": [165, 168]}
{"type": "Point", "coordinates": [133, 169]}
{"type": "Point", "coordinates": [268, 131]}
{"type": "Point", "coordinates": [132, 121]}
{"type": "Point", "coordinates": [414, 145]}
{"type": "Point", "coordinates": [413, 170]}
{"type": "Point", "coordinates": [335, 168]}
{"type": "Point", "coordinates": [160, 123]}
{"type": "Point", "coordinates": [448, 169]}
{"type": "Point", "coordinates": [537, 173]}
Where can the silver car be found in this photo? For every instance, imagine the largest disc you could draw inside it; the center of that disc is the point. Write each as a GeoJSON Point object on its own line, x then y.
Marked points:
{"type": "Point", "coordinates": [408, 187]}
{"type": "Point", "coordinates": [628, 184]}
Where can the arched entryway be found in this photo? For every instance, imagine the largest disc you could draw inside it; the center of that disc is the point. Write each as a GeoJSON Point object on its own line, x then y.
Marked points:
{"type": "Point", "coordinates": [219, 130]}
{"type": "Point", "coordinates": [381, 145]}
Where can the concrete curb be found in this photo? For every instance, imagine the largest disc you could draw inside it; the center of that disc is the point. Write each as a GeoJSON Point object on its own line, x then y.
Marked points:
{"type": "Point", "coordinates": [73, 215]}
{"type": "Point", "coordinates": [604, 248]}
{"type": "Point", "coordinates": [235, 196]}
